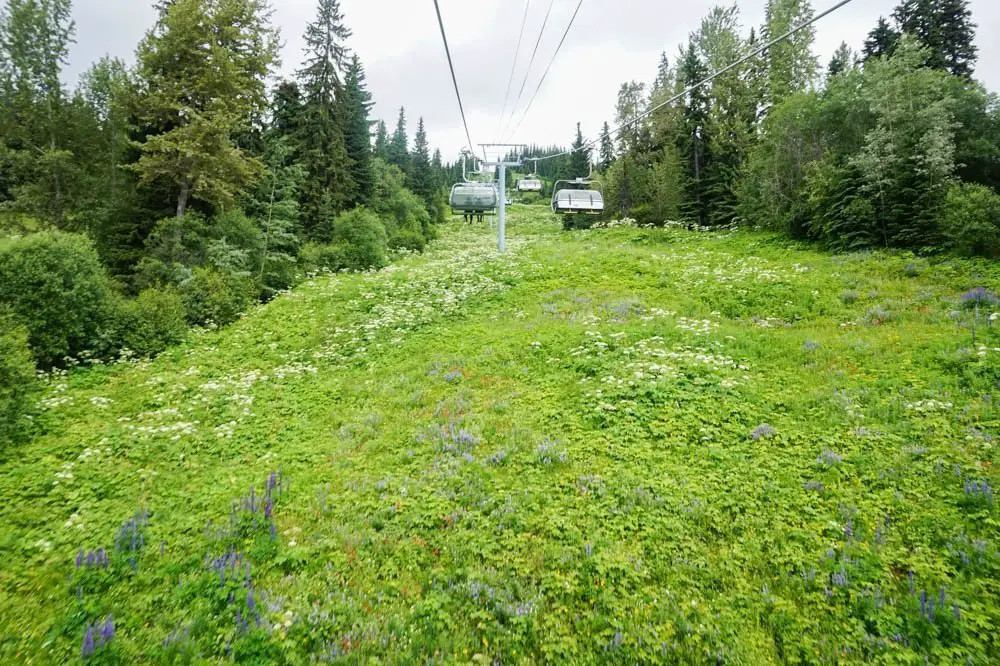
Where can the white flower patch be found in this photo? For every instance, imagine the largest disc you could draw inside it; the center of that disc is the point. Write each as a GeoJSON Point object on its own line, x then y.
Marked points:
{"type": "Point", "coordinates": [294, 369]}
{"type": "Point", "coordinates": [101, 402]}
{"type": "Point", "coordinates": [983, 350]}
{"type": "Point", "coordinates": [65, 474]}
{"type": "Point", "coordinates": [697, 326]}
{"type": "Point", "coordinates": [226, 430]}
{"type": "Point", "coordinates": [74, 521]}
{"type": "Point", "coordinates": [929, 406]}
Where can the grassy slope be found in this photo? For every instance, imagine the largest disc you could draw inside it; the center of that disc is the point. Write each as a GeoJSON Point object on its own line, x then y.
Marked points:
{"type": "Point", "coordinates": [477, 471]}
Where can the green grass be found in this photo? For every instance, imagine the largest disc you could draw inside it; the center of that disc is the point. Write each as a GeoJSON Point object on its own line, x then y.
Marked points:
{"type": "Point", "coordinates": [555, 456]}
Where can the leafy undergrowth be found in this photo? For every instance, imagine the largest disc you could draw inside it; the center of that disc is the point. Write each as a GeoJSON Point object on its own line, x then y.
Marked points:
{"type": "Point", "coordinates": [608, 446]}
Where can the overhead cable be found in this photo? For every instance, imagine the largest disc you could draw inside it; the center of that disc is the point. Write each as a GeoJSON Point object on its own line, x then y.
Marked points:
{"type": "Point", "coordinates": [534, 52]}
{"type": "Point", "coordinates": [709, 79]}
{"type": "Point", "coordinates": [454, 80]}
{"type": "Point", "coordinates": [546, 72]}
{"type": "Point", "coordinates": [513, 67]}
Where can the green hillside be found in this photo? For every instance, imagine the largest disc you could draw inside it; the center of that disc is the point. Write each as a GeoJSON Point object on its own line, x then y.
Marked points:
{"type": "Point", "coordinates": [608, 446]}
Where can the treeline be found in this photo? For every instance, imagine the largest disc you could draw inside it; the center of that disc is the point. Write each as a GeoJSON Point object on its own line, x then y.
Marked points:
{"type": "Point", "coordinates": [896, 146]}
{"type": "Point", "coordinates": [186, 170]}
{"type": "Point", "coordinates": [181, 190]}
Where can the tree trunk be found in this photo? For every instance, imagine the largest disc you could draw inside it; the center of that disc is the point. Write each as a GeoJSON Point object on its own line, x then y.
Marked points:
{"type": "Point", "coordinates": [182, 198]}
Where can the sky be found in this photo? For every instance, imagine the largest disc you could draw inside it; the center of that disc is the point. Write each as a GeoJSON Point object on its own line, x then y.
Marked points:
{"type": "Point", "coordinates": [611, 41]}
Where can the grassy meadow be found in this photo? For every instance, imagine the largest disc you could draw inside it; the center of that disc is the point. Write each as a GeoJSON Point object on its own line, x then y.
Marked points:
{"type": "Point", "coordinates": [611, 446]}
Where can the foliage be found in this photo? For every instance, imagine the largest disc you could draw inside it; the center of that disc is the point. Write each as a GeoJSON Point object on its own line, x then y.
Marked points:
{"type": "Point", "coordinates": [55, 285]}
{"type": "Point", "coordinates": [971, 220]}
{"type": "Point", "coordinates": [319, 257]}
{"type": "Point", "coordinates": [17, 375]}
{"type": "Point", "coordinates": [361, 235]}
{"type": "Point", "coordinates": [152, 322]}
{"type": "Point", "coordinates": [469, 490]}
{"type": "Point", "coordinates": [215, 297]}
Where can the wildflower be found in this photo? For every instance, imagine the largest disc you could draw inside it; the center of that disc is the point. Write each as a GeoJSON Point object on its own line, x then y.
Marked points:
{"type": "Point", "coordinates": [829, 459]}
{"type": "Point", "coordinates": [87, 649]}
{"type": "Point", "coordinates": [107, 631]}
{"type": "Point", "coordinates": [810, 345]}
{"type": "Point", "coordinates": [980, 296]}
{"type": "Point", "coordinates": [763, 431]}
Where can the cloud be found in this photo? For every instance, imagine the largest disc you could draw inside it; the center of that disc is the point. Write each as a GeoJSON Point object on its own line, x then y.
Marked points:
{"type": "Point", "coordinates": [399, 43]}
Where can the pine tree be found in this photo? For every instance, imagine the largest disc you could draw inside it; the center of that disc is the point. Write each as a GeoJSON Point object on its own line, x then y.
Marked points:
{"type": "Point", "coordinates": [579, 160]}
{"type": "Point", "coordinates": [692, 141]}
{"type": "Point", "coordinates": [607, 150]}
{"type": "Point", "coordinates": [286, 109]}
{"type": "Point", "coordinates": [397, 151]}
{"type": "Point", "coordinates": [881, 41]}
{"type": "Point", "coordinates": [328, 186]}
{"type": "Point", "coordinates": [357, 133]}
{"type": "Point", "coordinates": [437, 169]}
{"type": "Point", "coordinates": [842, 60]}
{"type": "Point", "coordinates": [381, 148]}
{"type": "Point", "coordinates": [203, 70]}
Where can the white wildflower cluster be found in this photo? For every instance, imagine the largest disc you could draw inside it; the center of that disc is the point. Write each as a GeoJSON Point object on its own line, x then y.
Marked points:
{"type": "Point", "coordinates": [56, 398]}
{"type": "Point", "coordinates": [100, 401]}
{"type": "Point", "coordinates": [95, 452]}
{"type": "Point", "coordinates": [702, 267]}
{"type": "Point", "coordinates": [929, 406]}
{"type": "Point", "coordinates": [624, 222]}
{"type": "Point", "coordinates": [649, 364]}
{"type": "Point", "coordinates": [983, 350]}
{"type": "Point", "coordinates": [74, 521]}
{"type": "Point", "coordinates": [294, 369]}
{"type": "Point", "coordinates": [65, 474]}
{"type": "Point", "coordinates": [697, 326]}
{"type": "Point", "coordinates": [226, 430]}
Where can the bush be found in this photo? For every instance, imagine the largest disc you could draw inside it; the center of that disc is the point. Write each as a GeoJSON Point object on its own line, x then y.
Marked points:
{"type": "Point", "coordinates": [316, 257]}
{"type": "Point", "coordinates": [152, 322]}
{"type": "Point", "coordinates": [361, 236]}
{"type": "Point", "coordinates": [55, 285]}
{"type": "Point", "coordinates": [17, 371]}
{"type": "Point", "coordinates": [408, 240]}
{"type": "Point", "coordinates": [971, 220]}
{"type": "Point", "coordinates": [531, 198]}
{"type": "Point", "coordinates": [213, 296]}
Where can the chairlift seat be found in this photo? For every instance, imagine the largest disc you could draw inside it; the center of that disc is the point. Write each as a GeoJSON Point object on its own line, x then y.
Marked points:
{"type": "Point", "coordinates": [473, 198]}
{"type": "Point", "coordinates": [578, 201]}
{"type": "Point", "coordinates": [529, 185]}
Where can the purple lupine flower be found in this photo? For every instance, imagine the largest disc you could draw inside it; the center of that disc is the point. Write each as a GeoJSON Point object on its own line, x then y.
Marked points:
{"type": "Point", "coordinates": [102, 558]}
{"type": "Point", "coordinates": [274, 531]}
{"type": "Point", "coordinates": [829, 458]}
{"type": "Point", "coordinates": [979, 296]}
{"type": "Point", "coordinates": [958, 614]}
{"type": "Point", "coordinates": [849, 529]}
{"type": "Point", "coordinates": [90, 558]}
{"type": "Point", "coordinates": [813, 485]}
{"type": "Point", "coordinates": [251, 603]}
{"type": "Point", "coordinates": [942, 599]}
{"type": "Point", "coordinates": [107, 631]}
{"type": "Point", "coordinates": [79, 558]}
{"type": "Point", "coordinates": [930, 610]}
{"type": "Point", "coordinates": [810, 345]}
{"type": "Point", "coordinates": [923, 602]}
{"type": "Point", "coordinates": [87, 649]}
{"type": "Point", "coordinates": [764, 430]}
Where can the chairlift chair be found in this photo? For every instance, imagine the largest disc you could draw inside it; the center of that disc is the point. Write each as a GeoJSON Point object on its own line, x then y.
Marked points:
{"type": "Point", "coordinates": [576, 197]}
{"type": "Point", "coordinates": [530, 183]}
{"type": "Point", "coordinates": [473, 198]}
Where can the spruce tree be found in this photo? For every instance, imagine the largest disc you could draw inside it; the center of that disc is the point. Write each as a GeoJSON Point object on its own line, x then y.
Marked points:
{"type": "Point", "coordinates": [203, 70]}
{"type": "Point", "coordinates": [381, 147]}
{"type": "Point", "coordinates": [357, 133]}
{"type": "Point", "coordinates": [328, 187]}
{"type": "Point", "coordinates": [945, 28]}
{"type": "Point", "coordinates": [842, 60]}
{"type": "Point", "coordinates": [579, 160]}
{"type": "Point", "coordinates": [607, 150]}
{"type": "Point", "coordinates": [881, 41]}
{"type": "Point", "coordinates": [420, 178]}
{"type": "Point", "coordinates": [398, 150]}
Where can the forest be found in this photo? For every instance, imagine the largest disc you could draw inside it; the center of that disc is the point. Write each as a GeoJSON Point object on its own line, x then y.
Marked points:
{"type": "Point", "coordinates": [181, 190]}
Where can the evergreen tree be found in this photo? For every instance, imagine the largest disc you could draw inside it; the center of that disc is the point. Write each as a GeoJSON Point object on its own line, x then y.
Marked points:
{"type": "Point", "coordinates": [357, 133]}
{"type": "Point", "coordinates": [842, 60]}
{"type": "Point", "coordinates": [945, 28]}
{"type": "Point", "coordinates": [328, 187]}
{"type": "Point", "coordinates": [579, 160]}
{"type": "Point", "coordinates": [397, 151]}
{"type": "Point", "coordinates": [381, 148]}
{"type": "Point", "coordinates": [691, 143]}
{"type": "Point", "coordinates": [202, 71]}
{"type": "Point", "coordinates": [607, 150]}
{"type": "Point", "coordinates": [34, 43]}
{"type": "Point", "coordinates": [286, 113]}
{"type": "Point", "coordinates": [421, 180]}
{"type": "Point", "coordinates": [880, 41]}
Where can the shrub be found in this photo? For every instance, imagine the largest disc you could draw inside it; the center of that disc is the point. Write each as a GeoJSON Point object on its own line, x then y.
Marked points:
{"type": "Point", "coordinates": [176, 245]}
{"type": "Point", "coordinates": [316, 257]}
{"type": "Point", "coordinates": [531, 198]}
{"type": "Point", "coordinates": [152, 322]}
{"type": "Point", "coordinates": [213, 296]}
{"type": "Point", "coordinates": [971, 220]}
{"type": "Point", "coordinates": [55, 284]}
{"type": "Point", "coordinates": [361, 235]}
{"type": "Point", "coordinates": [408, 240]}
{"type": "Point", "coordinates": [17, 371]}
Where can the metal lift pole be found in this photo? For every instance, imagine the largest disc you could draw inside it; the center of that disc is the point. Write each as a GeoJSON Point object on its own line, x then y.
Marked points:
{"type": "Point", "coordinates": [502, 187]}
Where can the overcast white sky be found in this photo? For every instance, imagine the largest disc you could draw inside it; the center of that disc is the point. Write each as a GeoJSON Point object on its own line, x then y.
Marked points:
{"type": "Point", "coordinates": [611, 41]}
